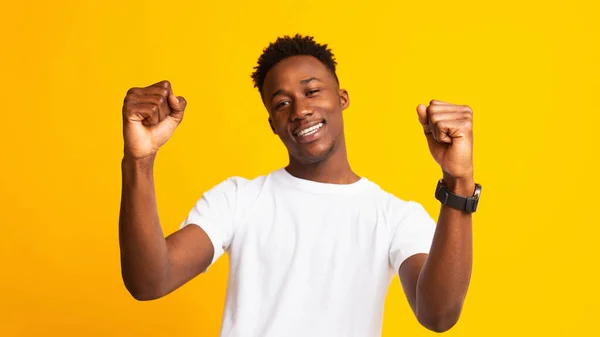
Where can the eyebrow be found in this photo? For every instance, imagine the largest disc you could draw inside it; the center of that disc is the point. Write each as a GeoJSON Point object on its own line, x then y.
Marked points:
{"type": "Point", "coordinates": [308, 80]}
{"type": "Point", "coordinates": [304, 81]}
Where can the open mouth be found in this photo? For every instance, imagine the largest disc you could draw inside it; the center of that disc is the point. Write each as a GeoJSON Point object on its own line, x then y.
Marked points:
{"type": "Point", "coordinates": [309, 130]}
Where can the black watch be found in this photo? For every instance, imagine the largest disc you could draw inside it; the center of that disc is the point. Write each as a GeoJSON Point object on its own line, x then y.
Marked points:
{"type": "Point", "coordinates": [465, 204]}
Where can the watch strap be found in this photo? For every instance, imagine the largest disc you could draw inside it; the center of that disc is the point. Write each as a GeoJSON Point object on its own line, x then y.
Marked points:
{"type": "Point", "coordinates": [465, 204]}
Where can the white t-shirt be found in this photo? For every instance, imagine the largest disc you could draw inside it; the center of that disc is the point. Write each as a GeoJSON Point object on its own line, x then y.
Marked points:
{"type": "Point", "coordinates": [308, 258]}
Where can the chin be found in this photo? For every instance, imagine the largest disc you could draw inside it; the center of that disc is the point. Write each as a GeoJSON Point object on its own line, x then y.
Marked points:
{"type": "Point", "coordinates": [315, 154]}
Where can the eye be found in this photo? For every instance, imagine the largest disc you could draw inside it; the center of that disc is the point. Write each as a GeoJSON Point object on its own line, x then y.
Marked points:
{"type": "Point", "coordinates": [312, 92]}
{"type": "Point", "coordinates": [281, 104]}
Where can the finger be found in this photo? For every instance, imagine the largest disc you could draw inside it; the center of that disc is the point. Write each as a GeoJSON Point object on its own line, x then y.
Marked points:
{"type": "Point", "coordinates": [151, 90]}
{"type": "Point", "coordinates": [438, 113]}
{"type": "Point", "coordinates": [163, 84]}
{"type": "Point", "coordinates": [447, 131]}
{"type": "Point", "coordinates": [158, 100]}
{"type": "Point", "coordinates": [443, 108]}
{"type": "Point", "coordinates": [438, 102]}
{"type": "Point", "coordinates": [452, 115]}
{"type": "Point", "coordinates": [146, 113]}
{"type": "Point", "coordinates": [439, 131]}
{"type": "Point", "coordinates": [178, 105]}
{"type": "Point", "coordinates": [422, 114]}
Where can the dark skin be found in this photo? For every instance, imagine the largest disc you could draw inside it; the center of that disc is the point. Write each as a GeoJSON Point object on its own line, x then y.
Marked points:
{"type": "Point", "coordinates": [151, 265]}
{"type": "Point", "coordinates": [299, 92]}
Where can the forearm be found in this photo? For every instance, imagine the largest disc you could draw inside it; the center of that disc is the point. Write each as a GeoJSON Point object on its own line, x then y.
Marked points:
{"type": "Point", "coordinates": [144, 256]}
{"type": "Point", "coordinates": [444, 279]}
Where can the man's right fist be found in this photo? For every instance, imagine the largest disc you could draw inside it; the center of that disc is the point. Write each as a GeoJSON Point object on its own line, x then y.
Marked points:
{"type": "Point", "coordinates": [150, 116]}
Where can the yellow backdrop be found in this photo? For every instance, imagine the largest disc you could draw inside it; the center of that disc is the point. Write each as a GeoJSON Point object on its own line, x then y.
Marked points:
{"type": "Point", "coordinates": [529, 71]}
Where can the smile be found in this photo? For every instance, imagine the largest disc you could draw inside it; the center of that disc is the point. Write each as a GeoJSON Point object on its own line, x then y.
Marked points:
{"type": "Point", "coordinates": [310, 130]}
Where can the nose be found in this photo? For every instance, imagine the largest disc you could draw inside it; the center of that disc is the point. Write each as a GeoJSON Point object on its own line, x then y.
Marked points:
{"type": "Point", "coordinates": [300, 110]}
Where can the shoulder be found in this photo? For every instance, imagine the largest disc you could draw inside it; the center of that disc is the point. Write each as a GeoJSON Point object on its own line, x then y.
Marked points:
{"type": "Point", "coordinates": [237, 185]}
{"type": "Point", "coordinates": [387, 200]}
{"type": "Point", "coordinates": [241, 189]}
{"type": "Point", "coordinates": [397, 209]}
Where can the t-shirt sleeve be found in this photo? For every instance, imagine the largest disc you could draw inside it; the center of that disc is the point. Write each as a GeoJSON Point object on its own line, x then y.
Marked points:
{"type": "Point", "coordinates": [413, 230]}
{"type": "Point", "coordinates": [215, 212]}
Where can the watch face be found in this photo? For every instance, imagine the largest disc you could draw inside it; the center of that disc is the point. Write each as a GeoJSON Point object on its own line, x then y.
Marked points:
{"type": "Point", "coordinates": [477, 191]}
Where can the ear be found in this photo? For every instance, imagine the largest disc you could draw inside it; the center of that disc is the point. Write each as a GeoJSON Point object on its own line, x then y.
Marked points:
{"type": "Point", "coordinates": [344, 99]}
{"type": "Point", "coordinates": [272, 126]}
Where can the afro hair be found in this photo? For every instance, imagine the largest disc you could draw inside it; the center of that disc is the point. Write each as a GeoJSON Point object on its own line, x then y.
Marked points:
{"type": "Point", "coordinates": [287, 46]}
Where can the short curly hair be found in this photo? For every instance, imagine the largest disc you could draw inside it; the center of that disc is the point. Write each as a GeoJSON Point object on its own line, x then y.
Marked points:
{"type": "Point", "coordinates": [287, 46]}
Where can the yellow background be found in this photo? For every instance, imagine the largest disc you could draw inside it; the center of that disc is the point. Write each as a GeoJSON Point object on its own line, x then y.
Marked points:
{"type": "Point", "coordinates": [529, 71]}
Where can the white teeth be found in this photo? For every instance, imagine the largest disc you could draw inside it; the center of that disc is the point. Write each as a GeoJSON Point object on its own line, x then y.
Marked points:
{"type": "Point", "coordinates": [310, 130]}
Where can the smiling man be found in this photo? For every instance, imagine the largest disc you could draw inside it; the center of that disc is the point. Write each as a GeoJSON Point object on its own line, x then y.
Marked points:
{"type": "Point", "coordinates": [313, 246]}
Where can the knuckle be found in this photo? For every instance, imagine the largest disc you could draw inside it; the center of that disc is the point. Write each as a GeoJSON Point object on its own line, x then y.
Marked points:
{"type": "Point", "coordinates": [161, 100]}
{"type": "Point", "coordinates": [441, 124]}
{"type": "Point", "coordinates": [165, 84]}
{"type": "Point", "coordinates": [128, 110]}
{"type": "Point", "coordinates": [468, 125]}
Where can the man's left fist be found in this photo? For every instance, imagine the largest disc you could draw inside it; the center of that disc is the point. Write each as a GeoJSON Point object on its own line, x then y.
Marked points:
{"type": "Point", "coordinates": [449, 131]}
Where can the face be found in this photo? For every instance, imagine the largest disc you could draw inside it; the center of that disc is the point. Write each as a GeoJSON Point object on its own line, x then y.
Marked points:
{"type": "Point", "coordinates": [305, 107]}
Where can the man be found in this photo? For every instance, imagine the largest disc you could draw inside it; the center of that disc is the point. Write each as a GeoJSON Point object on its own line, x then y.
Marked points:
{"type": "Point", "coordinates": [313, 246]}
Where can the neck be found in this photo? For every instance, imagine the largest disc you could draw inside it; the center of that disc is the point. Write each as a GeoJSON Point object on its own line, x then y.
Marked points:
{"type": "Point", "coordinates": [334, 169]}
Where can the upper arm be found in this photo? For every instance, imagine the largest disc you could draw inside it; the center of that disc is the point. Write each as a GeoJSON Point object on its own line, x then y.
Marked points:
{"type": "Point", "coordinates": [412, 235]}
{"type": "Point", "coordinates": [190, 253]}
{"type": "Point", "coordinates": [204, 235]}
{"type": "Point", "coordinates": [408, 273]}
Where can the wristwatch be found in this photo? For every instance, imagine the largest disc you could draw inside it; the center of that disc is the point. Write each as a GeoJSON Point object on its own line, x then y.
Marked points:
{"type": "Point", "coordinates": [465, 204]}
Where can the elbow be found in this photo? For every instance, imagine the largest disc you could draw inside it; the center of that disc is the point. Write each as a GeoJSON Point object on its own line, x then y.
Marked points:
{"type": "Point", "coordinates": [144, 295]}
{"type": "Point", "coordinates": [142, 291]}
{"type": "Point", "coordinates": [438, 325]}
{"type": "Point", "coordinates": [439, 322]}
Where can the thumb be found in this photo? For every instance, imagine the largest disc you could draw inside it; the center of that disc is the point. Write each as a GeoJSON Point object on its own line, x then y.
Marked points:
{"type": "Point", "coordinates": [422, 114]}
{"type": "Point", "coordinates": [177, 103]}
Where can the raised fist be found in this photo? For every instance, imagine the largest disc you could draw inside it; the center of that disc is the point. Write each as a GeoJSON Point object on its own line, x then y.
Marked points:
{"type": "Point", "coordinates": [449, 131]}
{"type": "Point", "coordinates": [150, 116]}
